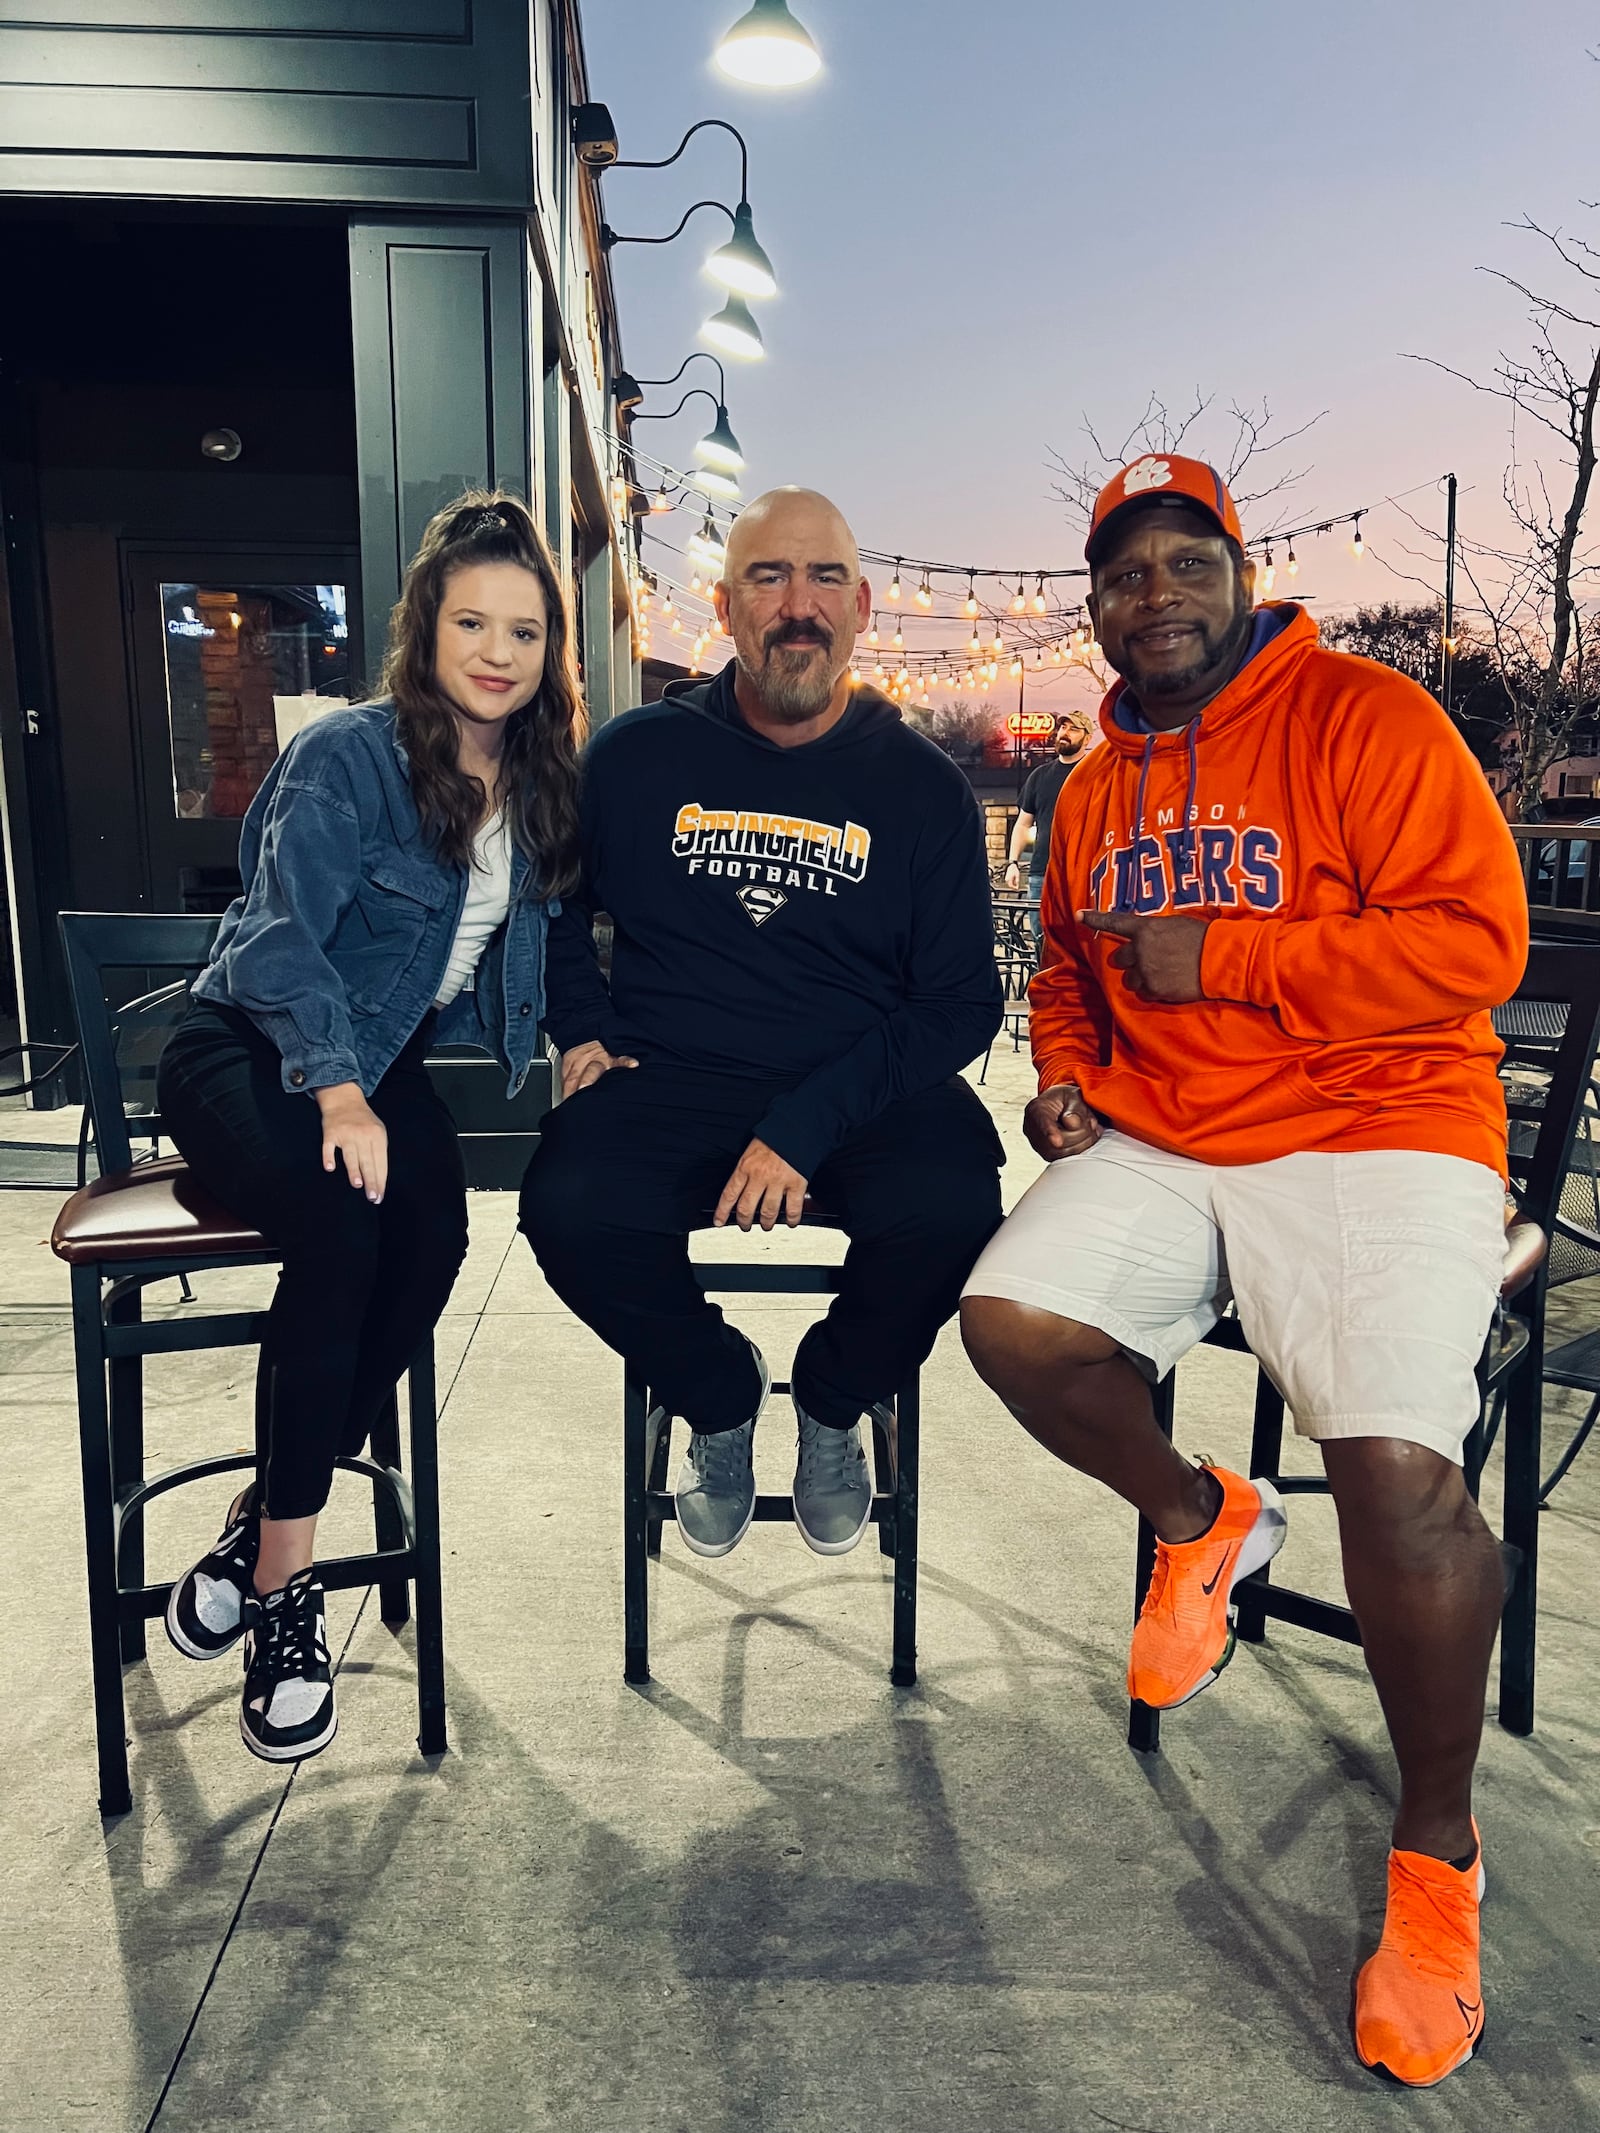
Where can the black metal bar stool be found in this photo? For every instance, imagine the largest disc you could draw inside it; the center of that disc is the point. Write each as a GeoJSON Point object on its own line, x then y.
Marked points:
{"type": "Point", "coordinates": [145, 1222]}
{"type": "Point", "coordinates": [647, 1501]}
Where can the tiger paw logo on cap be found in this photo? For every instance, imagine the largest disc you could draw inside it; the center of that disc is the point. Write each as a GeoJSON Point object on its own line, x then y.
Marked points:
{"type": "Point", "coordinates": [1147, 473]}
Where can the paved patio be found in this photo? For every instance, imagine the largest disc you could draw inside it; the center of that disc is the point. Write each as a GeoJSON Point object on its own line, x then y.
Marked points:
{"type": "Point", "coordinates": [769, 1893]}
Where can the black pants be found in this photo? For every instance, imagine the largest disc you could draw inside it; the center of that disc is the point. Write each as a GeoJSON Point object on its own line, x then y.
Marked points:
{"type": "Point", "coordinates": [360, 1286]}
{"type": "Point", "coordinates": [630, 1165]}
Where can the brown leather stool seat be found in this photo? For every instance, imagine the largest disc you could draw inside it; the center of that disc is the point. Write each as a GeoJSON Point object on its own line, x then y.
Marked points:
{"type": "Point", "coordinates": [148, 1212]}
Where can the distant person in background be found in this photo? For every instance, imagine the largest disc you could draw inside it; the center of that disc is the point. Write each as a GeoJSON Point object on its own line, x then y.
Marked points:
{"type": "Point", "coordinates": [1036, 814]}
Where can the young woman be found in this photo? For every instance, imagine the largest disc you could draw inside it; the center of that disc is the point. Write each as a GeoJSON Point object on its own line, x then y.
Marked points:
{"type": "Point", "coordinates": [403, 864]}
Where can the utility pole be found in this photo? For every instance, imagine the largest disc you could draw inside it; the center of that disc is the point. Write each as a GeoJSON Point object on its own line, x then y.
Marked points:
{"type": "Point", "coordinates": [1447, 656]}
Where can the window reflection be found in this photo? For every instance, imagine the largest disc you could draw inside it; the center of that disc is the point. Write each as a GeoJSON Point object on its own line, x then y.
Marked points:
{"type": "Point", "coordinates": [229, 652]}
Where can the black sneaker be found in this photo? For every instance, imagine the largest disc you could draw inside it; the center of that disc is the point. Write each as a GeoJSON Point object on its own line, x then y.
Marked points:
{"type": "Point", "coordinates": [205, 1606]}
{"type": "Point", "coordinates": [288, 1710]}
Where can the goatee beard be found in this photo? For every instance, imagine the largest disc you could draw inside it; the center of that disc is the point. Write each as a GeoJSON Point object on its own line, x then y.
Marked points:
{"type": "Point", "coordinates": [791, 694]}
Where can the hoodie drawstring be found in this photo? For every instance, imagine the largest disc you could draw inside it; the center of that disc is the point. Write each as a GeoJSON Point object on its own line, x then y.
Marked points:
{"type": "Point", "coordinates": [1190, 790]}
{"type": "Point", "coordinates": [1124, 901]}
{"type": "Point", "coordinates": [1126, 893]}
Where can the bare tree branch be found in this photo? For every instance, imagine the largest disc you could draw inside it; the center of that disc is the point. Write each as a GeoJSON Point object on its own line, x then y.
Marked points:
{"type": "Point", "coordinates": [1530, 598]}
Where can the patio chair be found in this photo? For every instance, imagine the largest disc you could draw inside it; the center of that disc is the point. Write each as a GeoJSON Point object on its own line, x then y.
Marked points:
{"type": "Point", "coordinates": [137, 1224]}
{"type": "Point", "coordinates": [647, 1448]}
{"type": "Point", "coordinates": [38, 1165]}
{"type": "Point", "coordinates": [1547, 1088]}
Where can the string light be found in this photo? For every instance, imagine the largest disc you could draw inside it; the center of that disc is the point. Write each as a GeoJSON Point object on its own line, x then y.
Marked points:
{"type": "Point", "coordinates": [1270, 572]}
{"type": "Point", "coordinates": [894, 583]}
{"type": "Point", "coordinates": [1019, 600]}
{"type": "Point", "coordinates": [899, 636]}
{"type": "Point", "coordinates": [1038, 596]}
{"type": "Point", "coordinates": [872, 634]}
{"type": "Point", "coordinates": [972, 596]}
{"type": "Point", "coordinates": [924, 592]}
{"type": "Point", "coordinates": [1358, 547]}
{"type": "Point", "coordinates": [997, 643]}
{"type": "Point", "coordinates": [661, 501]}
{"type": "Point", "coordinates": [1293, 564]}
{"type": "Point", "coordinates": [976, 643]}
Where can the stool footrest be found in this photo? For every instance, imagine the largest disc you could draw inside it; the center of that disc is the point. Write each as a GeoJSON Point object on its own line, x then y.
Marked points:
{"type": "Point", "coordinates": [769, 1510]}
{"type": "Point", "coordinates": [1281, 1603]}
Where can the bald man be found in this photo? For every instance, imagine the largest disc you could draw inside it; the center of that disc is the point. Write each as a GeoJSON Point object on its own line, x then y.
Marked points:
{"type": "Point", "coordinates": [802, 964]}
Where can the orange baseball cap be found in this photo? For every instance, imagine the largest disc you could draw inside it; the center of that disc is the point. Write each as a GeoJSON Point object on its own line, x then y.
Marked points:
{"type": "Point", "coordinates": [1161, 475]}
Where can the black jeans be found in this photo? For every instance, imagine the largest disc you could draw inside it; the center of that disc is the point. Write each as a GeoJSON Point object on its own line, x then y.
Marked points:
{"type": "Point", "coordinates": [630, 1165]}
{"type": "Point", "coordinates": [360, 1286]}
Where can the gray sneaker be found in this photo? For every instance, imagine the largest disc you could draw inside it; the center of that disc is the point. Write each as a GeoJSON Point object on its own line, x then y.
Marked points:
{"type": "Point", "coordinates": [716, 1492]}
{"type": "Point", "coordinates": [832, 1489]}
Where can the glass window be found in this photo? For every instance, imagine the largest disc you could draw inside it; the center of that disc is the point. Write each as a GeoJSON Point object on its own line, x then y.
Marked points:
{"type": "Point", "coordinates": [230, 650]}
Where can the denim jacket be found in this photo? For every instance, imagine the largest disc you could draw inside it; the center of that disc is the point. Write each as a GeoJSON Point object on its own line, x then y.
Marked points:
{"type": "Point", "coordinates": [339, 944]}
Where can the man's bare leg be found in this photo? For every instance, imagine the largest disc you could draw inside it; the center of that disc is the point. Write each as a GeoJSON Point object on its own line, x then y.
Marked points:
{"type": "Point", "coordinates": [1423, 1575]}
{"type": "Point", "coordinates": [1072, 1388]}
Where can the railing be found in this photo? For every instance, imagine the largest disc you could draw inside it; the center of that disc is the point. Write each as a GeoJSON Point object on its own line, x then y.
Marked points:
{"type": "Point", "coordinates": [1561, 870]}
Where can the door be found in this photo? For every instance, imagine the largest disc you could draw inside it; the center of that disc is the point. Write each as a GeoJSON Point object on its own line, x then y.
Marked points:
{"type": "Point", "coordinates": [232, 650]}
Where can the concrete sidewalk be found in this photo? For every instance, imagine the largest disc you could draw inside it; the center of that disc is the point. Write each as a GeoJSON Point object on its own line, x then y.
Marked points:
{"type": "Point", "coordinates": [769, 1893]}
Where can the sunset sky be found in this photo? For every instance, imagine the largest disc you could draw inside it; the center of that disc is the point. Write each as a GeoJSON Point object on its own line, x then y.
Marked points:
{"type": "Point", "coordinates": [990, 224]}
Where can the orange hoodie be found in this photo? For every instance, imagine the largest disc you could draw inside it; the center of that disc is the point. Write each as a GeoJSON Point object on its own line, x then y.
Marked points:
{"type": "Point", "coordinates": [1366, 908]}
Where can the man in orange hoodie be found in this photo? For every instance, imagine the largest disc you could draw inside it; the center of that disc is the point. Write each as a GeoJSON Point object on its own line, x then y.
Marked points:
{"type": "Point", "coordinates": [1280, 904]}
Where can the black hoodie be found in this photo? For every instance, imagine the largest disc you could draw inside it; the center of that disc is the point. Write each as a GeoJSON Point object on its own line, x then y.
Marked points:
{"type": "Point", "coordinates": [818, 916]}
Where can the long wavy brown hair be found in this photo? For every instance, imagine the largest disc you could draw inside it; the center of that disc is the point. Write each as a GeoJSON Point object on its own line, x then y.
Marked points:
{"type": "Point", "coordinates": [539, 776]}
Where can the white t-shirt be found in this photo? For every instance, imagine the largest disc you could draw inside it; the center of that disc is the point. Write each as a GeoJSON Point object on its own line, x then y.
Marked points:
{"type": "Point", "coordinates": [488, 901]}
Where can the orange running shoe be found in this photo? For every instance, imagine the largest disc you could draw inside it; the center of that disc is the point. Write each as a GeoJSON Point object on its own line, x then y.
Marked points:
{"type": "Point", "coordinates": [1419, 2001]}
{"type": "Point", "coordinates": [1184, 1635]}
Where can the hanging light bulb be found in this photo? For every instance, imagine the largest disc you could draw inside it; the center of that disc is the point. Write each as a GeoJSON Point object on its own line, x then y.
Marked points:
{"type": "Point", "coordinates": [676, 625]}
{"type": "Point", "coordinates": [1055, 655]}
{"type": "Point", "coordinates": [694, 582]}
{"type": "Point", "coordinates": [1019, 600]}
{"type": "Point", "coordinates": [1358, 547]}
{"type": "Point", "coordinates": [740, 264]}
{"type": "Point", "coordinates": [1038, 657]}
{"type": "Point", "coordinates": [894, 582]}
{"type": "Point", "coordinates": [997, 643]}
{"type": "Point", "coordinates": [666, 605]}
{"type": "Point", "coordinates": [661, 501]}
{"type": "Point", "coordinates": [719, 447]}
{"type": "Point", "coordinates": [899, 635]}
{"type": "Point", "coordinates": [924, 592]}
{"type": "Point", "coordinates": [1293, 564]}
{"type": "Point", "coordinates": [872, 634]}
{"type": "Point", "coordinates": [972, 595]}
{"type": "Point", "coordinates": [733, 329]}
{"type": "Point", "coordinates": [1270, 572]}
{"type": "Point", "coordinates": [1038, 596]}
{"type": "Point", "coordinates": [769, 47]}
{"type": "Point", "coordinates": [1015, 668]}
{"type": "Point", "coordinates": [855, 677]}
{"type": "Point", "coordinates": [966, 679]}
